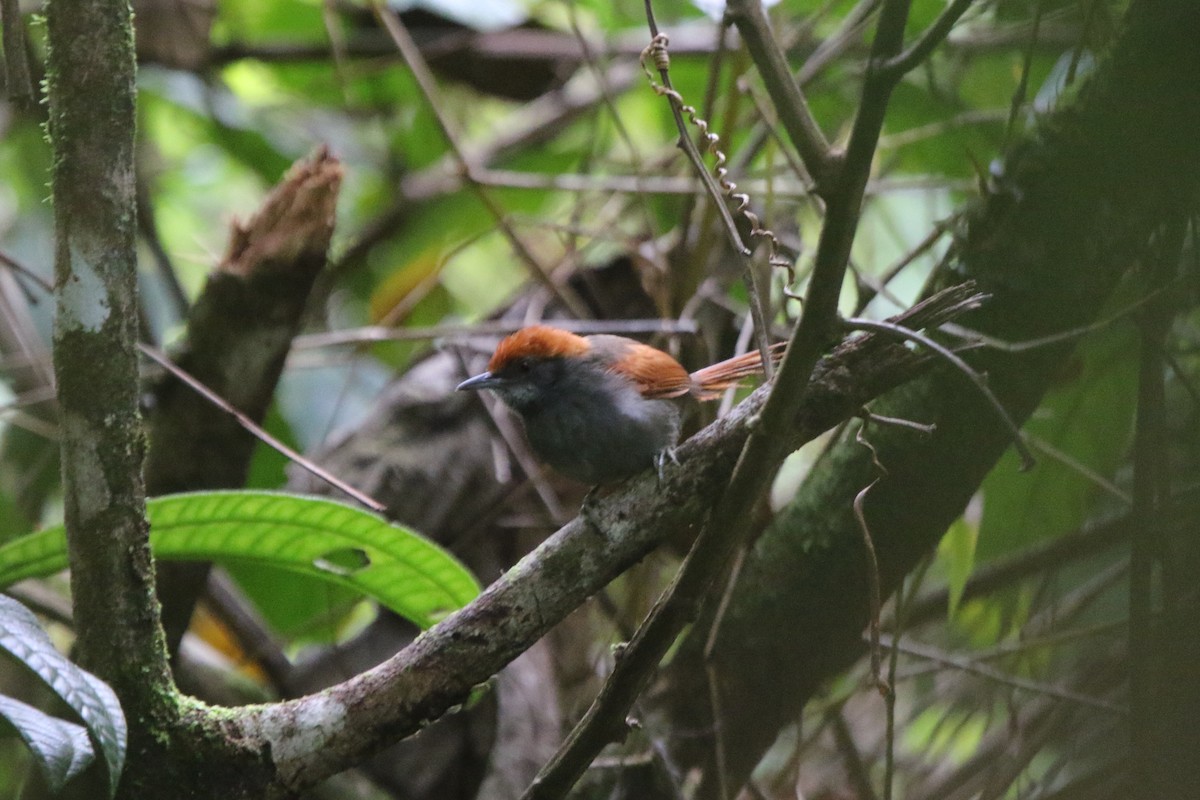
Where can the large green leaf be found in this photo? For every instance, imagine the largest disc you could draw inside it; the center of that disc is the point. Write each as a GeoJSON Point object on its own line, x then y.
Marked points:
{"type": "Point", "coordinates": [90, 698]}
{"type": "Point", "coordinates": [1089, 421]}
{"type": "Point", "coordinates": [323, 538]}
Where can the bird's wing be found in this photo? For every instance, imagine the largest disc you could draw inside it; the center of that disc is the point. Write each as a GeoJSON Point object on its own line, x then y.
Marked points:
{"type": "Point", "coordinates": [655, 373]}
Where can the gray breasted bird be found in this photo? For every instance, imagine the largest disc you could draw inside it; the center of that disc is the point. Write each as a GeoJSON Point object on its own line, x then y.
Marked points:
{"type": "Point", "coordinates": [601, 408]}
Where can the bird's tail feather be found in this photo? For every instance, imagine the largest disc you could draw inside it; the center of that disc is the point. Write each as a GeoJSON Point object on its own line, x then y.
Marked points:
{"type": "Point", "coordinates": [708, 383]}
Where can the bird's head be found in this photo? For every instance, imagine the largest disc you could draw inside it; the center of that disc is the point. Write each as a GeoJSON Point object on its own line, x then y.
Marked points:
{"type": "Point", "coordinates": [529, 364]}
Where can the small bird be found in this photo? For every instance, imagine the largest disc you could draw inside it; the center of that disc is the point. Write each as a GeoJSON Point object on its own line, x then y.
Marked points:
{"type": "Point", "coordinates": [601, 408]}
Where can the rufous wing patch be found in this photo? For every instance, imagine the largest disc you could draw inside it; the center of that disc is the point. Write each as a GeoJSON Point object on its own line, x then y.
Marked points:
{"type": "Point", "coordinates": [537, 341]}
{"type": "Point", "coordinates": [655, 373]}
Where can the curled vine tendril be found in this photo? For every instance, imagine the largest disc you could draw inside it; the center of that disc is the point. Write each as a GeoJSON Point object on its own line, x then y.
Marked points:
{"type": "Point", "coordinates": [656, 53]}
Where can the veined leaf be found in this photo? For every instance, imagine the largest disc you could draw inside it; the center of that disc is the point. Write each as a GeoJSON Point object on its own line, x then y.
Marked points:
{"type": "Point", "coordinates": [323, 538]}
{"type": "Point", "coordinates": [90, 697]}
{"type": "Point", "coordinates": [61, 749]}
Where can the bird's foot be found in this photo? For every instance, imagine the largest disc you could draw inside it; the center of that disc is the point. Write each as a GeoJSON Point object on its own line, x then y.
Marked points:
{"type": "Point", "coordinates": [665, 455]}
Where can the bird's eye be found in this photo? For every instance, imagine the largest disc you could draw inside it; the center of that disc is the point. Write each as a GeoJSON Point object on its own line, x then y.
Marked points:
{"type": "Point", "coordinates": [524, 365]}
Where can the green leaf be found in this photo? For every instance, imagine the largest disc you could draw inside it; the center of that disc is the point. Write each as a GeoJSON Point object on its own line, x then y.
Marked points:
{"type": "Point", "coordinates": [90, 698]}
{"type": "Point", "coordinates": [301, 608]}
{"type": "Point", "coordinates": [1089, 421]}
{"type": "Point", "coordinates": [339, 543]}
{"type": "Point", "coordinates": [956, 552]}
{"type": "Point", "coordinates": [61, 749]}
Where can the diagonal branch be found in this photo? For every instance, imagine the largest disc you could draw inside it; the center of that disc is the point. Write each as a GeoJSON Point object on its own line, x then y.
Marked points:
{"type": "Point", "coordinates": [979, 381]}
{"type": "Point", "coordinates": [896, 66]}
{"type": "Point", "coordinates": [440, 669]}
{"type": "Point", "coordinates": [1049, 242]}
{"type": "Point", "coordinates": [239, 333]}
{"type": "Point", "coordinates": [798, 121]}
{"type": "Point", "coordinates": [420, 69]}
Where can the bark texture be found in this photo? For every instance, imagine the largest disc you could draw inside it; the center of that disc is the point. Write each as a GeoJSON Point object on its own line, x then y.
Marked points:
{"type": "Point", "coordinates": [239, 334]}
{"type": "Point", "coordinates": [92, 100]}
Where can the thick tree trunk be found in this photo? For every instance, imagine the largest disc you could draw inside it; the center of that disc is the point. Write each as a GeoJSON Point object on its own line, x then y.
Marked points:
{"type": "Point", "coordinates": [92, 100]}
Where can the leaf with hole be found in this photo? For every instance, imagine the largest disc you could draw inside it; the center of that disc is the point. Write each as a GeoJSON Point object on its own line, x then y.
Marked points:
{"type": "Point", "coordinates": [338, 543]}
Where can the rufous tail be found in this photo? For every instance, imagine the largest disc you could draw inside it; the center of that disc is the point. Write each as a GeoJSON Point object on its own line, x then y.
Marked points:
{"type": "Point", "coordinates": [710, 382]}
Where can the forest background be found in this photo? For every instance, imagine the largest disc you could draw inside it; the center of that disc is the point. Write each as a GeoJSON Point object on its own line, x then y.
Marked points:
{"type": "Point", "coordinates": [322, 215]}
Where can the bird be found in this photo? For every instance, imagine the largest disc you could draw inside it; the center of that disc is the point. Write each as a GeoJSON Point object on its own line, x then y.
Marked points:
{"type": "Point", "coordinates": [601, 408]}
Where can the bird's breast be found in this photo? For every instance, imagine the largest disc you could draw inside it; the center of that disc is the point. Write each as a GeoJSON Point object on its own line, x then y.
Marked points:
{"type": "Point", "coordinates": [601, 436]}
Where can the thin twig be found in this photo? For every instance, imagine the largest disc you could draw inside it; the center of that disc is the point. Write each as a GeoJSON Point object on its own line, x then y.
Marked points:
{"type": "Point", "coordinates": [261, 645]}
{"type": "Point", "coordinates": [856, 768]}
{"type": "Point", "coordinates": [904, 594]}
{"type": "Point", "coordinates": [889, 753]}
{"type": "Point", "coordinates": [1029, 645]}
{"type": "Point", "coordinates": [767, 117]}
{"type": "Point", "coordinates": [256, 431]}
{"type": "Point", "coordinates": [379, 333]}
{"type": "Point", "coordinates": [1040, 559]}
{"type": "Point", "coordinates": [955, 123]}
{"type": "Point", "coordinates": [880, 419]}
{"type": "Point", "coordinates": [1019, 94]}
{"type": "Point", "coordinates": [148, 227]}
{"type": "Point", "coordinates": [797, 119]}
{"type": "Point", "coordinates": [848, 35]}
{"type": "Point", "coordinates": [710, 668]}
{"type": "Point", "coordinates": [1027, 459]}
{"type": "Point", "coordinates": [46, 429]}
{"type": "Point", "coordinates": [897, 66]}
{"type": "Point", "coordinates": [22, 271]}
{"type": "Point", "coordinates": [1077, 466]}
{"type": "Point", "coordinates": [671, 184]}
{"type": "Point", "coordinates": [990, 673]}
{"type": "Point", "coordinates": [664, 87]}
{"type": "Point", "coordinates": [420, 69]}
{"type": "Point", "coordinates": [889, 274]}
{"type": "Point", "coordinates": [872, 581]}
{"type": "Point", "coordinates": [533, 124]}
{"type": "Point", "coordinates": [610, 104]}
{"type": "Point", "coordinates": [718, 185]}
{"type": "Point", "coordinates": [1002, 345]}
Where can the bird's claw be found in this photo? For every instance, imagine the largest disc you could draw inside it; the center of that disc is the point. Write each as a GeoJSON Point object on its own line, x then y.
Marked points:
{"type": "Point", "coordinates": [660, 461]}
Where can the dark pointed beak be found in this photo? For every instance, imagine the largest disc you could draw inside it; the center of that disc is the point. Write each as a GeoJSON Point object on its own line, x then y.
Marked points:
{"type": "Point", "coordinates": [484, 380]}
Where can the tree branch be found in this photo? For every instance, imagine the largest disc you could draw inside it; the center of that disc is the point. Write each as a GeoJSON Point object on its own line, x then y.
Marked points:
{"type": "Point", "coordinates": [420, 69]}
{"type": "Point", "coordinates": [16, 58]}
{"type": "Point", "coordinates": [239, 334]}
{"type": "Point", "coordinates": [1075, 206]}
{"type": "Point", "coordinates": [897, 66]}
{"type": "Point", "coordinates": [313, 737]}
{"type": "Point", "coordinates": [92, 122]}
{"type": "Point", "coordinates": [798, 121]}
